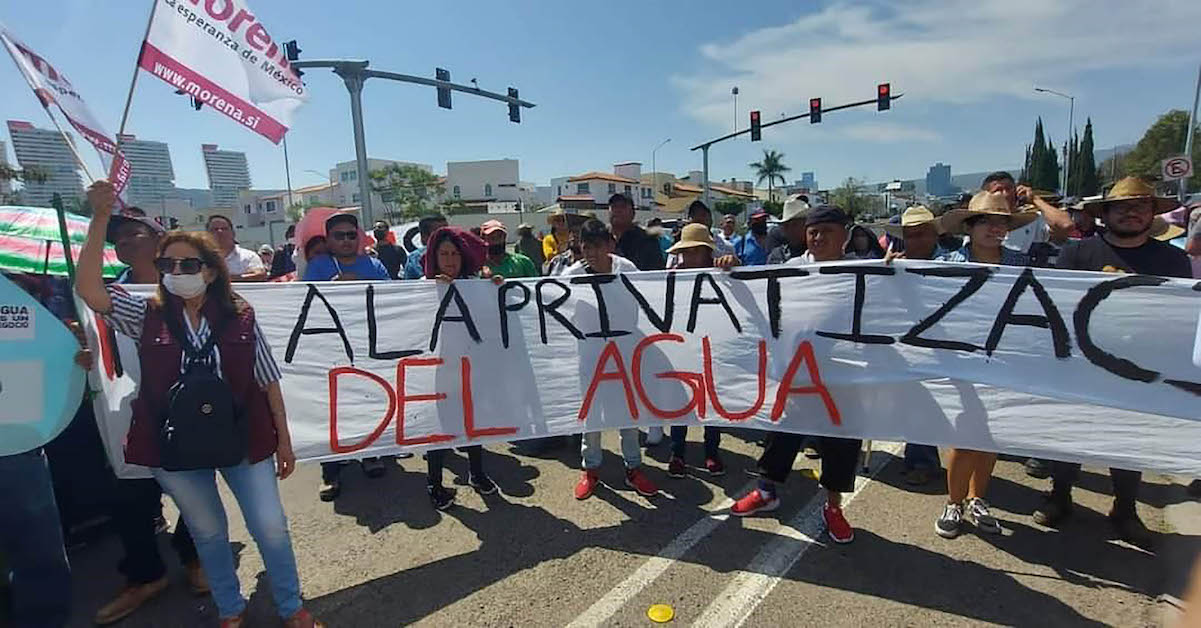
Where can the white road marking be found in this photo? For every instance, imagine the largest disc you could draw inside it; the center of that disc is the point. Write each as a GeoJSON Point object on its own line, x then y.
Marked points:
{"type": "Point", "coordinates": [752, 585]}
{"type": "Point", "coordinates": [620, 595]}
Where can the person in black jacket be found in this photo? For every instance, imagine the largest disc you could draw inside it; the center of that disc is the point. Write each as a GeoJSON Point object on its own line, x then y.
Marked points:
{"type": "Point", "coordinates": [633, 242]}
{"type": "Point", "coordinates": [392, 256]}
{"type": "Point", "coordinates": [282, 263]}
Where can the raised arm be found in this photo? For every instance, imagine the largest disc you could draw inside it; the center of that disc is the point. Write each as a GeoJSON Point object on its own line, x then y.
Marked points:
{"type": "Point", "coordinates": [89, 275]}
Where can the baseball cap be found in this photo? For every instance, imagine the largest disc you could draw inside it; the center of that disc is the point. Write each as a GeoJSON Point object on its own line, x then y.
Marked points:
{"type": "Point", "coordinates": [117, 220]}
{"type": "Point", "coordinates": [493, 225]}
{"type": "Point", "coordinates": [759, 214]}
{"type": "Point", "coordinates": [826, 213]}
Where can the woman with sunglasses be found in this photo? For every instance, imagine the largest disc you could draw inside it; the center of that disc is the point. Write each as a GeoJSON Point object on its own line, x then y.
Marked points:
{"type": "Point", "coordinates": [455, 253]}
{"type": "Point", "coordinates": [986, 221]}
{"type": "Point", "coordinates": [195, 298]}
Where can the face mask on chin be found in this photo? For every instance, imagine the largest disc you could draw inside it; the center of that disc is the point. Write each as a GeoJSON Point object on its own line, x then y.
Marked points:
{"type": "Point", "coordinates": [185, 286]}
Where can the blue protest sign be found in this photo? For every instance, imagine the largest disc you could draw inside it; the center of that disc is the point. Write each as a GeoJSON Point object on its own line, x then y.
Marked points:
{"type": "Point", "coordinates": [40, 384]}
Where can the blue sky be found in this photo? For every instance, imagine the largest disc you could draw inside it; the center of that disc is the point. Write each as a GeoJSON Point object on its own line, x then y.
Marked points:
{"type": "Point", "coordinates": [613, 79]}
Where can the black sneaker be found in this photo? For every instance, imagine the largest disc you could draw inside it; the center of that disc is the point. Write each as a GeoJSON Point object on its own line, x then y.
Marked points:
{"type": "Point", "coordinates": [1194, 488]}
{"type": "Point", "coordinates": [1053, 511]}
{"type": "Point", "coordinates": [374, 468]}
{"type": "Point", "coordinates": [948, 525]}
{"type": "Point", "coordinates": [1130, 528]}
{"type": "Point", "coordinates": [441, 497]}
{"type": "Point", "coordinates": [330, 489]}
{"type": "Point", "coordinates": [1040, 469]}
{"type": "Point", "coordinates": [482, 483]}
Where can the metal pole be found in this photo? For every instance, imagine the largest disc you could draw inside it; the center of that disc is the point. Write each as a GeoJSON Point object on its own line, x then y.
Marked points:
{"type": "Point", "coordinates": [288, 176]}
{"type": "Point", "coordinates": [354, 84]}
{"type": "Point", "coordinates": [133, 82]}
{"type": "Point", "coordinates": [1067, 163]}
{"type": "Point", "coordinates": [1188, 136]}
{"type": "Point", "coordinates": [705, 174]}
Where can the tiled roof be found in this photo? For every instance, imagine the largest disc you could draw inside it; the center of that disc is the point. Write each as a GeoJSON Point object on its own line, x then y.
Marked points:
{"type": "Point", "coordinates": [602, 176]}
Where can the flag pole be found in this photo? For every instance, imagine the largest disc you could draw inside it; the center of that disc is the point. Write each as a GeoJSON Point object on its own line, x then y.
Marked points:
{"type": "Point", "coordinates": [71, 144]}
{"type": "Point", "coordinates": [133, 82]}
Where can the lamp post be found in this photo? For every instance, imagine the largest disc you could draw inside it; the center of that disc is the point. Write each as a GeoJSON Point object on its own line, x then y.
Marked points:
{"type": "Point", "coordinates": [734, 92]}
{"type": "Point", "coordinates": [655, 172]}
{"type": "Point", "coordinates": [1067, 157]}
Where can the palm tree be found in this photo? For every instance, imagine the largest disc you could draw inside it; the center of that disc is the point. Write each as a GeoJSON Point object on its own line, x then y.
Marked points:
{"type": "Point", "coordinates": [770, 168]}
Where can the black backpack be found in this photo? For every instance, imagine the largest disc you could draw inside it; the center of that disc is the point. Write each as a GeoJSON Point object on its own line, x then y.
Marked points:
{"type": "Point", "coordinates": [203, 428]}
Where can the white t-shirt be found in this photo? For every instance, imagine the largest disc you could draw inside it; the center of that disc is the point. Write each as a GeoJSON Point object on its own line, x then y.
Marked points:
{"type": "Point", "coordinates": [620, 265]}
{"type": "Point", "coordinates": [1022, 238]}
{"type": "Point", "coordinates": [241, 261]}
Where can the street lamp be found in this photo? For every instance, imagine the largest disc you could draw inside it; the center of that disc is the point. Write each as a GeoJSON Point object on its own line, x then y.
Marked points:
{"type": "Point", "coordinates": [655, 172]}
{"type": "Point", "coordinates": [1067, 156]}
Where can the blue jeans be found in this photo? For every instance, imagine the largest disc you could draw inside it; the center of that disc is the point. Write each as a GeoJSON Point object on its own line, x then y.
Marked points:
{"type": "Point", "coordinates": [631, 451]}
{"type": "Point", "coordinates": [32, 539]}
{"type": "Point", "coordinates": [679, 437]}
{"type": "Point", "coordinates": [257, 492]}
{"type": "Point", "coordinates": [921, 457]}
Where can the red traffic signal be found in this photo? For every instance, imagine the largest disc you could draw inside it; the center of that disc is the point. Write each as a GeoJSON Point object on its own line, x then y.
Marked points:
{"type": "Point", "coordinates": [756, 132]}
{"type": "Point", "coordinates": [883, 97]}
{"type": "Point", "coordinates": [815, 110]}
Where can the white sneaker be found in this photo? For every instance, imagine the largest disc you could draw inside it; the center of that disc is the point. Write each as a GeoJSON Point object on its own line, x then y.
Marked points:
{"type": "Point", "coordinates": [978, 514]}
{"type": "Point", "coordinates": [947, 526]}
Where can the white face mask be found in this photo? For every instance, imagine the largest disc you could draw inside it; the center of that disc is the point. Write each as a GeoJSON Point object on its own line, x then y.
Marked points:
{"type": "Point", "coordinates": [185, 286]}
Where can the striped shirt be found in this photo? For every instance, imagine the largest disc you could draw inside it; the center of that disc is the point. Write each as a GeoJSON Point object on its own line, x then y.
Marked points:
{"type": "Point", "coordinates": [1009, 257]}
{"type": "Point", "coordinates": [128, 315]}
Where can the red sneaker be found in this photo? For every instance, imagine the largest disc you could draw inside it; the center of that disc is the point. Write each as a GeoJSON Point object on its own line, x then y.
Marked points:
{"type": "Point", "coordinates": [586, 485]}
{"type": "Point", "coordinates": [836, 525]}
{"type": "Point", "coordinates": [638, 481]}
{"type": "Point", "coordinates": [754, 502]}
{"type": "Point", "coordinates": [714, 466]}
{"type": "Point", "coordinates": [676, 467]}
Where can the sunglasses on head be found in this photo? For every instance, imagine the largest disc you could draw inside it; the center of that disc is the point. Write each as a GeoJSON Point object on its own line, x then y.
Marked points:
{"type": "Point", "coordinates": [185, 266]}
{"type": "Point", "coordinates": [344, 235]}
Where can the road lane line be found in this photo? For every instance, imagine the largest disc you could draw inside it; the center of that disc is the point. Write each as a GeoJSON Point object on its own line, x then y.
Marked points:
{"type": "Point", "coordinates": [752, 585]}
{"type": "Point", "coordinates": [620, 595]}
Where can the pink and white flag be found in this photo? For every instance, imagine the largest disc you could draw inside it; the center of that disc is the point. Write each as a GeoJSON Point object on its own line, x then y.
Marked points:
{"type": "Point", "coordinates": [52, 87]}
{"type": "Point", "coordinates": [219, 53]}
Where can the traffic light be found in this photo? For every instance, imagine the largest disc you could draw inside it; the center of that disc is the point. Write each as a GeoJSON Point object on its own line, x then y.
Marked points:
{"type": "Point", "coordinates": [292, 52]}
{"type": "Point", "coordinates": [815, 110]}
{"type": "Point", "coordinates": [514, 108]}
{"type": "Point", "coordinates": [756, 132]}
{"type": "Point", "coordinates": [883, 97]}
{"type": "Point", "coordinates": [443, 92]}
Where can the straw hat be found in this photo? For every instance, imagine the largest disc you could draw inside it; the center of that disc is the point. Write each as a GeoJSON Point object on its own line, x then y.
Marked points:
{"type": "Point", "coordinates": [795, 207]}
{"type": "Point", "coordinates": [691, 236]}
{"type": "Point", "coordinates": [1163, 230]}
{"type": "Point", "coordinates": [986, 204]}
{"type": "Point", "coordinates": [915, 216]}
{"type": "Point", "coordinates": [1127, 189]}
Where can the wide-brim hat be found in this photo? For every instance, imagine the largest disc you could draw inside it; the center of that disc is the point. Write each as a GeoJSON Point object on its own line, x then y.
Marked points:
{"type": "Point", "coordinates": [986, 204]}
{"type": "Point", "coordinates": [1163, 230]}
{"type": "Point", "coordinates": [795, 207]}
{"type": "Point", "coordinates": [1129, 189]}
{"type": "Point", "coordinates": [691, 236]}
{"type": "Point", "coordinates": [915, 216]}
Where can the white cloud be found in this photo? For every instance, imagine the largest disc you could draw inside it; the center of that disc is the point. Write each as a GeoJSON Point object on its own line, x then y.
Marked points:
{"type": "Point", "coordinates": [935, 52]}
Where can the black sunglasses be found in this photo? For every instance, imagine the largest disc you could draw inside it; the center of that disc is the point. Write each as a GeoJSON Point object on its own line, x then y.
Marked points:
{"type": "Point", "coordinates": [186, 265]}
{"type": "Point", "coordinates": [344, 235]}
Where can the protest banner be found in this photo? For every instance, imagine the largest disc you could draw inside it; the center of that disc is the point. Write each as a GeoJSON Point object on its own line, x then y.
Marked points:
{"type": "Point", "coordinates": [220, 54]}
{"type": "Point", "coordinates": [40, 384]}
{"type": "Point", "coordinates": [52, 87]}
{"type": "Point", "coordinates": [1062, 364]}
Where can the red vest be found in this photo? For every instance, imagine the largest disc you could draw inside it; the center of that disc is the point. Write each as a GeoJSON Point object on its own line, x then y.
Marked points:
{"type": "Point", "coordinates": [160, 356]}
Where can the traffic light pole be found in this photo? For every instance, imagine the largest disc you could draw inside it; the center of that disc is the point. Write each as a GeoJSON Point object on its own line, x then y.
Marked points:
{"type": "Point", "coordinates": [354, 74]}
{"type": "Point", "coordinates": [704, 148]}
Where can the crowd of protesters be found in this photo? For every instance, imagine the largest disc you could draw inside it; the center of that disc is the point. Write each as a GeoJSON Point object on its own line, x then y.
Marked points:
{"type": "Point", "coordinates": [196, 331]}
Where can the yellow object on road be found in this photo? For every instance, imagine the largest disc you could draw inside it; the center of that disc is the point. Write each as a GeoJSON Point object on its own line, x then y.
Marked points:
{"type": "Point", "coordinates": [660, 613]}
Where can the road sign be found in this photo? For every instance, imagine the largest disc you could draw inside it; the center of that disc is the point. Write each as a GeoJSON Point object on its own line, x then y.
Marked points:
{"type": "Point", "coordinates": [1178, 167]}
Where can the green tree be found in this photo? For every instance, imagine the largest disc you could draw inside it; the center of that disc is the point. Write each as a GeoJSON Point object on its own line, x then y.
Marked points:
{"type": "Point", "coordinates": [9, 174]}
{"type": "Point", "coordinates": [853, 199]}
{"type": "Point", "coordinates": [1041, 169]}
{"type": "Point", "coordinates": [1087, 183]}
{"type": "Point", "coordinates": [770, 168]}
{"type": "Point", "coordinates": [1164, 139]}
{"type": "Point", "coordinates": [407, 190]}
{"type": "Point", "coordinates": [728, 206]}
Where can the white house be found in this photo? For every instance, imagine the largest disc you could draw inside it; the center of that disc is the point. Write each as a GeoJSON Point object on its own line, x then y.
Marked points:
{"type": "Point", "coordinates": [625, 179]}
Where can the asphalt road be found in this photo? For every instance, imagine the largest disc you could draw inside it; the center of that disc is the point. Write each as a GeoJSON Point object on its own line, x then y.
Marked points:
{"type": "Point", "coordinates": [534, 556]}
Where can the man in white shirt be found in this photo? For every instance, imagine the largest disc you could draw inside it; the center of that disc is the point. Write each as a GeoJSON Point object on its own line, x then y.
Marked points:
{"type": "Point", "coordinates": [597, 245]}
{"type": "Point", "coordinates": [1052, 224]}
{"type": "Point", "coordinates": [243, 264]}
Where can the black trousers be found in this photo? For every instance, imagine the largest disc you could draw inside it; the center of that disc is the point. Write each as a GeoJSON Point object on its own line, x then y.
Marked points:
{"type": "Point", "coordinates": [138, 507]}
{"type": "Point", "coordinates": [840, 459]}
{"type": "Point", "coordinates": [436, 458]}
{"type": "Point", "coordinates": [1125, 485]}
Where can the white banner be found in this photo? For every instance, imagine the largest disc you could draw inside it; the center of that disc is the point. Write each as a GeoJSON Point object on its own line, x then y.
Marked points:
{"type": "Point", "coordinates": [218, 52]}
{"type": "Point", "coordinates": [1060, 364]}
{"type": "Point", "coordinates": [52, 87]}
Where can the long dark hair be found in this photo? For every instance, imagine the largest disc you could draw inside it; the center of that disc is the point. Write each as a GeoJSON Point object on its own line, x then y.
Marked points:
{"type": "Point", "coordinates": [219, 292]}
